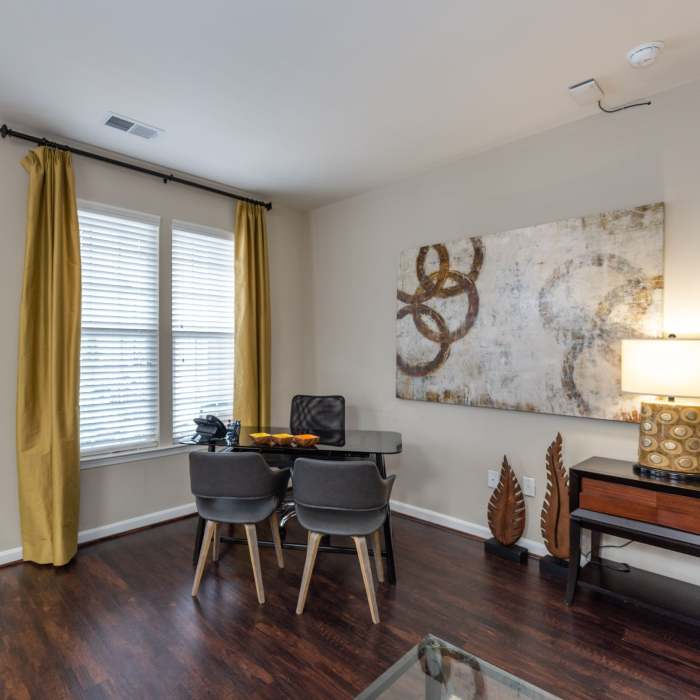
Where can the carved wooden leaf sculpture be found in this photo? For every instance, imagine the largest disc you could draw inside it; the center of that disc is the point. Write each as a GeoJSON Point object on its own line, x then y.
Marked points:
{"type": "Point", "coordinates": [555, 511]}
{"type": "Point", "coordinates": [506, 511]}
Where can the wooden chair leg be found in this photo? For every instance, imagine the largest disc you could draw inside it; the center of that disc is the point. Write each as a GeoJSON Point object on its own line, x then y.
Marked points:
{"type": "Point", "coordinates": [377, 547]}
{"type": "Point", "coordinates": [275, 527]}
{"type": "Point", "coordinates": [363, 556]}
{"type": "Point", "coordinates": [203, 552]}
{"type": "Point", "coordinates": [215, 543]}
{"type": "Point", "coordinates": [311, 551]}
{"type": "Point", "coordinates": [252, 537]}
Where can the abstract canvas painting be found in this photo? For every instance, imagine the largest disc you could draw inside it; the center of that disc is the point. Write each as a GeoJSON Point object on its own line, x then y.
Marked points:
{"type": "Point", "coordinates": [531, 319]}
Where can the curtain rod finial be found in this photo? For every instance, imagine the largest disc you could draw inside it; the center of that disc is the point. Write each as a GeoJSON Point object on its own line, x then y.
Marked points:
{"type": "Point", "coordinates": [4, 131]}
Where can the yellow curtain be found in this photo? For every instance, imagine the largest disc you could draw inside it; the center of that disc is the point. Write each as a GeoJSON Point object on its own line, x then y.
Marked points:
{"type": "Point", "coordinates": [48, 453]}
{"type": "Point", "coordinates": [252, 313]}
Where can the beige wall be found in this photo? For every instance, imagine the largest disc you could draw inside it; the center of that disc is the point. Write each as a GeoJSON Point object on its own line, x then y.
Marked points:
{"type": "Point", "coordinates": [121, 491]}
{"type": "Point", "coordinates": [600, 163]}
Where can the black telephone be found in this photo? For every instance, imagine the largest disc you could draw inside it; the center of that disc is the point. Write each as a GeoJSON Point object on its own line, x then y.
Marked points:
{"type": "Point", "coordinates": [209, 428]}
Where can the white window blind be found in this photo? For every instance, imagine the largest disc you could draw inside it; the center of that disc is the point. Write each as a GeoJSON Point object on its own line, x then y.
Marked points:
{"type": "Point", "coordinates": [119, 343]}
{"type": "Point", "coordinates": [202, 301]}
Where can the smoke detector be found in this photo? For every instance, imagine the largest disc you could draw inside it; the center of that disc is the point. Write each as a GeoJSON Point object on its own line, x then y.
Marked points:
{"type": "Point", "coordinates": [645, 54]}
{"type": "Point", "coordinates": [131, 126]}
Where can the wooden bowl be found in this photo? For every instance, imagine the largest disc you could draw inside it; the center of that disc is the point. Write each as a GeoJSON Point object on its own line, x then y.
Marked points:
{"type": "Point", "coordinates": [306, 440]}
{"type": "Point", "coordinates": [282, 439]}
{"type": "Point", "coordinates": [261, 438]}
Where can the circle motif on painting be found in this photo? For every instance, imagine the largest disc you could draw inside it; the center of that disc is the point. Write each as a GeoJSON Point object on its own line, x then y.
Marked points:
{"type": "Point", "coordinates": [442, 283]}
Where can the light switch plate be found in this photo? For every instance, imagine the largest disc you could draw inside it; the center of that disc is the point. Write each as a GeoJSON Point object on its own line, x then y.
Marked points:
{"type": "Point", "coordinates": [493, 478]}
{"type": "Point", "coordinates": [528, 486]}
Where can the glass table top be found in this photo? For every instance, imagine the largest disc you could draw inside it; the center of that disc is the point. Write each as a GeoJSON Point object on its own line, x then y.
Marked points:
{"type": "Point", "coordinates": [345, 441]}
{"type": "Point", "coordinates": [437, 670]}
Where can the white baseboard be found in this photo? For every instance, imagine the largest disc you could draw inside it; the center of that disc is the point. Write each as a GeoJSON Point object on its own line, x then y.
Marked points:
{"type": "Point", "coordinates": [8, 556]}
{"type": "Point", "coordinates": [430, 516]}
{"type": "Point", "coordinates": [449, 521]}
{"type": "Point", "coordinates": [97, 533]}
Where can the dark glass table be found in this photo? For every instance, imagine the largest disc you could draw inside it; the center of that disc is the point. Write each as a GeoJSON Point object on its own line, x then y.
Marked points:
{"type": "Point", "coordinates": [437, 670]}
{"type": "Point", "coordinates": [346, 444]}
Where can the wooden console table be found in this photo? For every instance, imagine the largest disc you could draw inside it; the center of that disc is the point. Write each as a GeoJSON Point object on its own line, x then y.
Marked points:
{"type": "Point", "coordinates": [608, 497]}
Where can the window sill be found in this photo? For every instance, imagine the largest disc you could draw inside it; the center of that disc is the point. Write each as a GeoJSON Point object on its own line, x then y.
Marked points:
{"type": "Point", "coordinates": [96, 461]}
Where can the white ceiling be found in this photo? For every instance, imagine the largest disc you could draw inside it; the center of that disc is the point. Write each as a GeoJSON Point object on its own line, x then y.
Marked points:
{"type": "Point", "coordinates": [309, 101]}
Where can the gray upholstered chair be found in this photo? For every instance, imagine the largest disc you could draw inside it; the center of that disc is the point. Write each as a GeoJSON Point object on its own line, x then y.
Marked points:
{"type": "Point", "coordinates": [346, 499]}
{"type": "Point", "coordinates": [236, 488]}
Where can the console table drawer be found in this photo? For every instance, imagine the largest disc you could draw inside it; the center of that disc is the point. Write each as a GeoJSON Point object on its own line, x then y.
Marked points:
{"type": "Point", "coordinates": [670, 510]}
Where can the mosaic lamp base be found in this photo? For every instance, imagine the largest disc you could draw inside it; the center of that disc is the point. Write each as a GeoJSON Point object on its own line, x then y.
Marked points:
{"type": "Point", "coordinates": [669, 440]}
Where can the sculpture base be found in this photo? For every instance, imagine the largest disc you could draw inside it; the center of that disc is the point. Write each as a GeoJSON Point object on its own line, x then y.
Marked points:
{"type": "Point", "coordinates": [552, 567]}
{"type": "Point", "coordinates": [513, 553]}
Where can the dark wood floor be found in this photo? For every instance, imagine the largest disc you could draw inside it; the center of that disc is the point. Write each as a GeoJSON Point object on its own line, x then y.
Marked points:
{"type": "Point", "coordinates": [120, 623]}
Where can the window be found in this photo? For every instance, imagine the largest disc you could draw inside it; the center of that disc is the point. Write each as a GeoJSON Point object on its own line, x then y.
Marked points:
{"type": "Point", "coordinates": [202, 303]}
{"type": "Point", "coordinates": [119, 343]}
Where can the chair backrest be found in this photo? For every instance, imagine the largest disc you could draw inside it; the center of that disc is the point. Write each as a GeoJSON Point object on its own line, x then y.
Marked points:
{"type": "Point", "coordinates": [321, 415]}
{"type": "Point", "coordinates": [327, 484]}
{"type": "Point", "coordinates": [232, 475]}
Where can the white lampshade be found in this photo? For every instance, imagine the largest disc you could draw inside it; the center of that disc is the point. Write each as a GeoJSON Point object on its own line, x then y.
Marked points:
{"type": "Point", "coordinates": [663, 367]}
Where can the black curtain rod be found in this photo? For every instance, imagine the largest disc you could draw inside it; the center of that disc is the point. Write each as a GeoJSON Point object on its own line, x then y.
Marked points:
{"type": "Point", "coordinates": [5, 131]}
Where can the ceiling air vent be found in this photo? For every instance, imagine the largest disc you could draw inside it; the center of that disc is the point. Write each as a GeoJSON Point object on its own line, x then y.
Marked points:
{"type": "Point", "coordinates": [131, 126]}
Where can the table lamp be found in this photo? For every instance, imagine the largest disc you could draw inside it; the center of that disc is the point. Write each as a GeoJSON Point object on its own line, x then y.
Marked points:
{"type": "Point", "coordinates": [669, 430]}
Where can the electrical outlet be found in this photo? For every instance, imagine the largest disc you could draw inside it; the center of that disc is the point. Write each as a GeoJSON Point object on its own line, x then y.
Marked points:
{"type": "Point", "coordinates": [493, 478]}
{"type": "Point", "coordinates": [528, 486]}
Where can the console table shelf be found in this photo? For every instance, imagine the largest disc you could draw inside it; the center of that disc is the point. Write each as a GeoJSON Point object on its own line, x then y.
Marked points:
{"type": "Point", "coordinates": [608, 497]}
{"type": "Point", "coordinates": [669, 596]}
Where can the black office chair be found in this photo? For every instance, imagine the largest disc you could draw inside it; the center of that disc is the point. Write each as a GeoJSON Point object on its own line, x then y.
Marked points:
{"type": "Point", "coordinates": [342, 498]}
{"type": "Point", "coordinates": [320, 415]}
{"type": "Point", "coordinates": [236, 488]}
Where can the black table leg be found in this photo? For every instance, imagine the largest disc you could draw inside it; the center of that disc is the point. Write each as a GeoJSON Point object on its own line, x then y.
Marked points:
{"type": "Point", "coordinates": [388, 542]}
{"type": "Point", "coordinates": [595, 545]}
{"type": "Point", "coordinates": [574, 560]}
{"type": "Point", "coordinates": [198, 540]}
